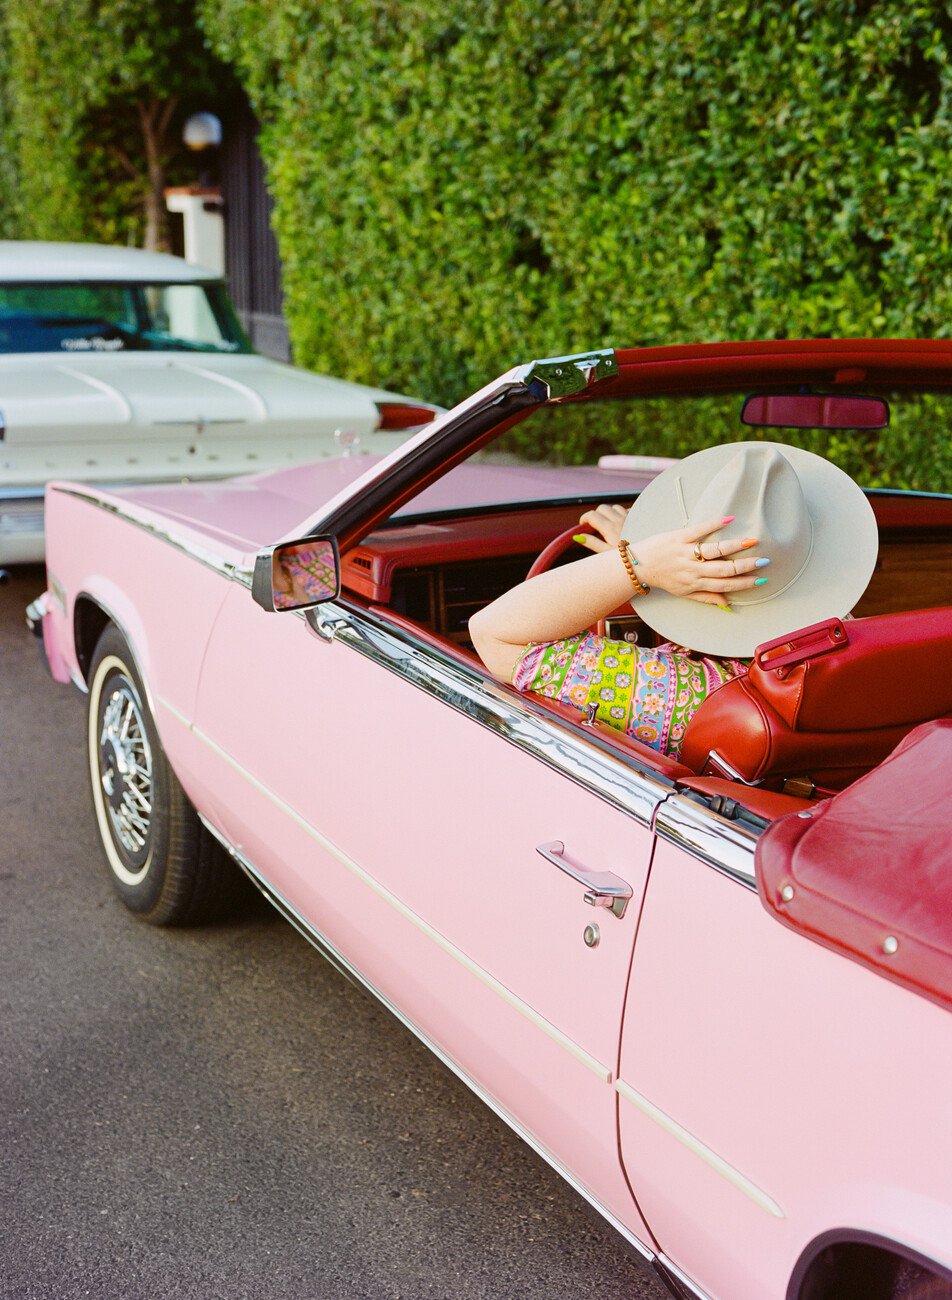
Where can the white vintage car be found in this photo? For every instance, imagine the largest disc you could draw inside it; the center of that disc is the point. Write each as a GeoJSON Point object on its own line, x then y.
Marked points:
{"type": "Point", "coordinates": [119, 367]}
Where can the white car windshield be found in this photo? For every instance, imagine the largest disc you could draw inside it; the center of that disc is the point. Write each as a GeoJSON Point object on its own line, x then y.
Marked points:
{"type": "Point", "coordinates": [103, 318]}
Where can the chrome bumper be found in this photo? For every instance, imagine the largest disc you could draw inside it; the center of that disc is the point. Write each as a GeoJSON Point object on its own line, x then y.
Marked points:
{"type": "Point", "coordinates": [21, 525]}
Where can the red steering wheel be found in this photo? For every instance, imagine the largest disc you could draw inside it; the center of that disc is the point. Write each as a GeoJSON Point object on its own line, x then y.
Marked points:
{"type": "Point", "coordinates": [558, 546]}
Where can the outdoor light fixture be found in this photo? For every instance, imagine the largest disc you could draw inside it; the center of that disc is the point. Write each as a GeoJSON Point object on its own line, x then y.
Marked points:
{"type": "Point", "coordinates": [202, 131]}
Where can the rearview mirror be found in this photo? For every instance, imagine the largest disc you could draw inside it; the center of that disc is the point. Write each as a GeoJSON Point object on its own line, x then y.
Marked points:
{"type": "Point", "coordinates": [814, 411]}
{"type": "Point", "coordinates": [297, 575]}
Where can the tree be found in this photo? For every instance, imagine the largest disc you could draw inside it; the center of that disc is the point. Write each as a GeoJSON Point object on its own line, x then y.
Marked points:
{"type": "Point", "coordinates": [158, 64]}
{"type": "Point", "coordinates": [100, 90]}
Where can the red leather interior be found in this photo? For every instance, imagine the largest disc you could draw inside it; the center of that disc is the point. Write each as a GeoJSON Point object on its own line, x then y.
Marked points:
{"type": "Point", "coordinates": [887, 671]}
{"type": "Point", "coordinates": [836, 712]}
{"type": "Point", "coordinates": [869, 872]}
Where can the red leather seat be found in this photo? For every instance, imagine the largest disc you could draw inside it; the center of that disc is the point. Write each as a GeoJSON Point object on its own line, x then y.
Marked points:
{"type": "Point", "coordinates": [828, 702]}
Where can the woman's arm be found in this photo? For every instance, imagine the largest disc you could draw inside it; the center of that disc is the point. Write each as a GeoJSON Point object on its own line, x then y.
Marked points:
{"type": "Point", "coordinates": [564, 601]}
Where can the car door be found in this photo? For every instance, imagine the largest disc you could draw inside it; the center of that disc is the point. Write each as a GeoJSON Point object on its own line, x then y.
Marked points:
{"type": "Point", "coordinates": [771, 1092]}
{"type": "Point", "coordinates": [397, 802]}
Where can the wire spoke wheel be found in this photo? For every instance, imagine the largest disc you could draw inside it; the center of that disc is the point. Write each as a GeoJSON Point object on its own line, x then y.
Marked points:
{"type": "Point", "coordinates": [125, 769]}
{"type": "Point", "coordinates": [163, 863]}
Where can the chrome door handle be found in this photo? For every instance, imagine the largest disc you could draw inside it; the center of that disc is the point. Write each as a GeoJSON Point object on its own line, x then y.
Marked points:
{"type": "Point", "coordinates": [602, 888]}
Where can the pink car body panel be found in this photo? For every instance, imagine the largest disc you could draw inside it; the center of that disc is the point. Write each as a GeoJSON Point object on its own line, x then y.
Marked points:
{"type": "Point", "coordinates": [758, 1015]}
{"type": "Point", "coordinates": [422, 896]}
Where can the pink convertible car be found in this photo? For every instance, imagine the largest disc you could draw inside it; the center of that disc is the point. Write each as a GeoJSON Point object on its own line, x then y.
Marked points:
{"type": "Point", "coordinates": [715, 993]}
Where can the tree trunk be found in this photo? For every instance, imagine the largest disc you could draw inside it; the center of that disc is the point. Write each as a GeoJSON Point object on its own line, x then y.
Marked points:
{"type": "Point", "coordinates": [154, 119]}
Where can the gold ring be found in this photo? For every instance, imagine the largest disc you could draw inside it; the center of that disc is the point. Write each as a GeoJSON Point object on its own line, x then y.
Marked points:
{"type": "Point", "coordinates": [697, 553]}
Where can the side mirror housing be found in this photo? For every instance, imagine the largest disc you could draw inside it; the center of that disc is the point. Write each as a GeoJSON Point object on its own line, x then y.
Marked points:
{"type": "Point", "coordinates": [296, 575]}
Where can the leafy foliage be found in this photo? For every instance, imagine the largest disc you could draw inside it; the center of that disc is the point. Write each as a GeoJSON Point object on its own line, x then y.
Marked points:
{"type": "Point", "coordinates": [459, 187]}
{"type": "Point", "coordinates": [9, 179]}
{"type": "Point", "coordinates": [90, 116]}
{"type": "Point", "coordinates": [914, 452]}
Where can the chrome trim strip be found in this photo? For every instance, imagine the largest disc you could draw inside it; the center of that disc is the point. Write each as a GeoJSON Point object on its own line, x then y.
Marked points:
{"type": "Point", "coordinates": [338, 960]}
{"type": "Point", "coordinates": [234, 572]}
{"type": "Point", "coordinates": [678, 1283]}
{"type": "Point", "coordinates": [705, 1153]}
{"type": "Point", "coordinates": [584, 757]}
{"type": "Point", "coordinates": [579, 753]}
{"type": "Point", "coordinates": [198, 422]}
{"type": "Point", "coordinates": [725, 845]}
{"type": "Point", "coordinates": [601, 1071]}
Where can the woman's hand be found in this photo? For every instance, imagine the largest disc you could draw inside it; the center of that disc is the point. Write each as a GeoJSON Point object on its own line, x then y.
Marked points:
{"type": "Point", "coordinates": [608, 522]}
{"type": "Point", "coordinates": [670, 561]}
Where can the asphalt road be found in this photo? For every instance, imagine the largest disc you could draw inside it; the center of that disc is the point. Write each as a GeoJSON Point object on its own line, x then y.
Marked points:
{"type": "Point", "coordinates": [217, 1112]}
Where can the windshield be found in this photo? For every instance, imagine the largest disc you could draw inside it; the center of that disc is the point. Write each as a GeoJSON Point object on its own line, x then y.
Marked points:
{"type": "Point", "coordinates": [82, 318]}
{"type": "Point", "coordinates": [608, 450]}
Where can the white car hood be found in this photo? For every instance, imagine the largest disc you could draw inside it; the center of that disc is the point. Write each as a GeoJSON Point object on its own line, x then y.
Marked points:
{"type": "Point", "coordinates": [63, 398]}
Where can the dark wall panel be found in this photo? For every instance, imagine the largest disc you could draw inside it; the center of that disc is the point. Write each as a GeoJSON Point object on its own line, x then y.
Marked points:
{"type": "Point", "coordinates": [251, 254]}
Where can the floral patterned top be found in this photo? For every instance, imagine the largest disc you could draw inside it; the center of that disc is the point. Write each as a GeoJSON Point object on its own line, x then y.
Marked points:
{"type": "Point", "coordinates": [651, 694]}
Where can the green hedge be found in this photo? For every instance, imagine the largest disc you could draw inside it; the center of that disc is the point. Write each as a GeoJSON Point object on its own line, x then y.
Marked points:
{"type": "Point", "coordinates": [9, 177]}
{"type": "Point", "coordinates": [462, 186]}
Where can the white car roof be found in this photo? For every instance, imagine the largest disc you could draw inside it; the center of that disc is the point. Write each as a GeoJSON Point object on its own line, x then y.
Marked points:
{"type": "Point", "coordinates": [29, 261]}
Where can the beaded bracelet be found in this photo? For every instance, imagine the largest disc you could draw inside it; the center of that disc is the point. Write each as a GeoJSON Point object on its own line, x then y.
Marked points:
{"type": "Point", "coordinates": [628, 560]}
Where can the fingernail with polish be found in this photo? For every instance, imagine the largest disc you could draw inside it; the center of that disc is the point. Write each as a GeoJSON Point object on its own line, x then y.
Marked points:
{"type": "Point", "coordinates": [581, 538]}
{"type": "Point", "coordinates": [761, 582]}
{"type": "Point", "coordinates": [748, 542]}
{"type": "Point", "coordinates": [761, 564]}
{"type": "Point", "coordinates": [726, 608]}
{"type": "Point", "coordinates": [728, 519]}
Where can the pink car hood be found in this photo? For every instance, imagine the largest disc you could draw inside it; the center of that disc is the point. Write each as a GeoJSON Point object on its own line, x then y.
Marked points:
{"type": "Point", "coordinates": [256, 510]}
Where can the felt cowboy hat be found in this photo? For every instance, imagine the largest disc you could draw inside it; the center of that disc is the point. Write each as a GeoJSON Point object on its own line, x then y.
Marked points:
{"type": "Point", "coordinates": [810, 519]}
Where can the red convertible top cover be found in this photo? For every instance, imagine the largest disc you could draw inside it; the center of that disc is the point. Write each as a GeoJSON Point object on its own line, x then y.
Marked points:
{"type": "Point", "coordinates": [869, 872]}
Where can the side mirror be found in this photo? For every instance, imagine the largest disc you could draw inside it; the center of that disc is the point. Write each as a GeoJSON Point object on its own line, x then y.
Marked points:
{"type": "Point", "coordinates": [297, 575]}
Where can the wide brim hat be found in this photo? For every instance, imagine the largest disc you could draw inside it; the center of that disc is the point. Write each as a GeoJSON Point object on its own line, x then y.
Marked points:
{"type": "Point", "coordinates": [810, 520]}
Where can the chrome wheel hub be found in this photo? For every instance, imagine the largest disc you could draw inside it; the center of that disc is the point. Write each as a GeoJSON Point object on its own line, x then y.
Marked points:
{"type": "Point", "coordinates": [125, 769]}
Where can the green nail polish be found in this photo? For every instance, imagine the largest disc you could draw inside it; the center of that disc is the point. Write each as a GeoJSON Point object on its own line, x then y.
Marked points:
{"type": "Point", "coordinates": [760, 582]}
{"type": "Point", "coordinates": [581, 538]}
{"type": "Point", "coordinates": [726, 608]}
